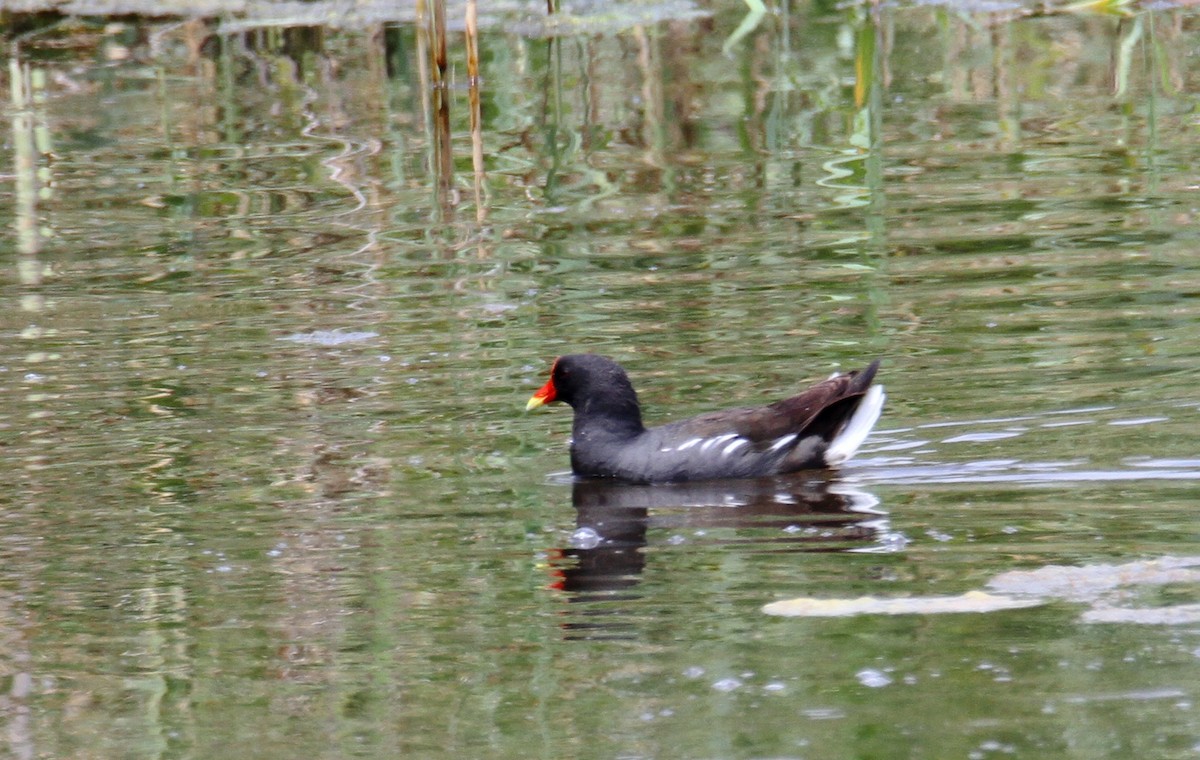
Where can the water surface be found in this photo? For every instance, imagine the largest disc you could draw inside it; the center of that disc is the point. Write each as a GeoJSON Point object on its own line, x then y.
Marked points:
{"type": "Point", "coordinates": [268, 488]}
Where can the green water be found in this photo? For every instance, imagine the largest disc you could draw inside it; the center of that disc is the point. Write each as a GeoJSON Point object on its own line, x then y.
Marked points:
{"type": "Point", "coordinates": [268, 490]}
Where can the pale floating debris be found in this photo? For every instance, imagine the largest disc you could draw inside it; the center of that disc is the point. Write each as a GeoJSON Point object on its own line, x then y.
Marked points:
{"type": "Point", "coordinates": [1098, 584]}
{"type": "Point", "coordinates": [329, 337]}
{"type": "Point", "coordinates": [1181, 614]}
{"type": "Point", "coordinates": [1089, 582]}
{"type": "Point", "coordinates": [972, 601]}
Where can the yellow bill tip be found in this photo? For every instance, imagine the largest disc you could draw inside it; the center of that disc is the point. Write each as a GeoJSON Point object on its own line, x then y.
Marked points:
{"type": "Point", "coordinates": [545, 395]}
{"type": "Point", "coordinates": [533, 403]}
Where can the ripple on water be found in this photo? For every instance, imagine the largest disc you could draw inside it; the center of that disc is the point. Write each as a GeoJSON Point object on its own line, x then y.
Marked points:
{"type": "Point", "coordinates": [329, 337]}
{"type": "Point", "coordinates": [1103, 456]}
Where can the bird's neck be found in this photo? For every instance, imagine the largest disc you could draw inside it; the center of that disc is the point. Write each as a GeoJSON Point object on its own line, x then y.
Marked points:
{"type": "Point", "coordinates": [610, 415]}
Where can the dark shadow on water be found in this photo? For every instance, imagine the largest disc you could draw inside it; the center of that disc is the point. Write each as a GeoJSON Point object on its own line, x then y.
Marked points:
{"type": "Point", "coordinates": [620, 527]}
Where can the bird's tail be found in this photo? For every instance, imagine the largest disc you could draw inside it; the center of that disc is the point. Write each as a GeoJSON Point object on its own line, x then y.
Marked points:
{"type": "Point", "coordinates": [857, 428]}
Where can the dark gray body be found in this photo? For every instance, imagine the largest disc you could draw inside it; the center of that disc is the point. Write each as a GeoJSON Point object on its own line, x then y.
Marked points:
{"type": "Point", "coordinates": [610, 441]}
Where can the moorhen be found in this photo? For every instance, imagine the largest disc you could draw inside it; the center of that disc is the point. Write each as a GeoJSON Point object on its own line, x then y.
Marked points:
{"type": "Point", "coordinates": [821, 427]}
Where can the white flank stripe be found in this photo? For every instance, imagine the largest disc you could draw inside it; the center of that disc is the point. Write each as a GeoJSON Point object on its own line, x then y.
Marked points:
{"type": "Point", "coordinates": [781, 442]}
{"type": "Point", "coordinates": [734, 446]}
{"type": "Point", "coordinates": [689, 443]}
{"type": "Point", "coordinates": [716, 441]}
{"type": "Point", "coordinates": [857, 429]}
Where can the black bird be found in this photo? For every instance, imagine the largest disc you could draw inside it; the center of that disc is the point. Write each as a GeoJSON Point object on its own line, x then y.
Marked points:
{"type": "Point", "coordinates": [821, 427]}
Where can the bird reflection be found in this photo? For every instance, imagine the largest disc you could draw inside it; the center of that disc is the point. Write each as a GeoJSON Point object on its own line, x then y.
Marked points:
{"type": "Point", "coordinates": [617, 525]}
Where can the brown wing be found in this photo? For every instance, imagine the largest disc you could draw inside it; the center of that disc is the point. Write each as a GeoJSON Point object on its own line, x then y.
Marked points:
{"type": "Point", "coordinates": [819, 410]}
